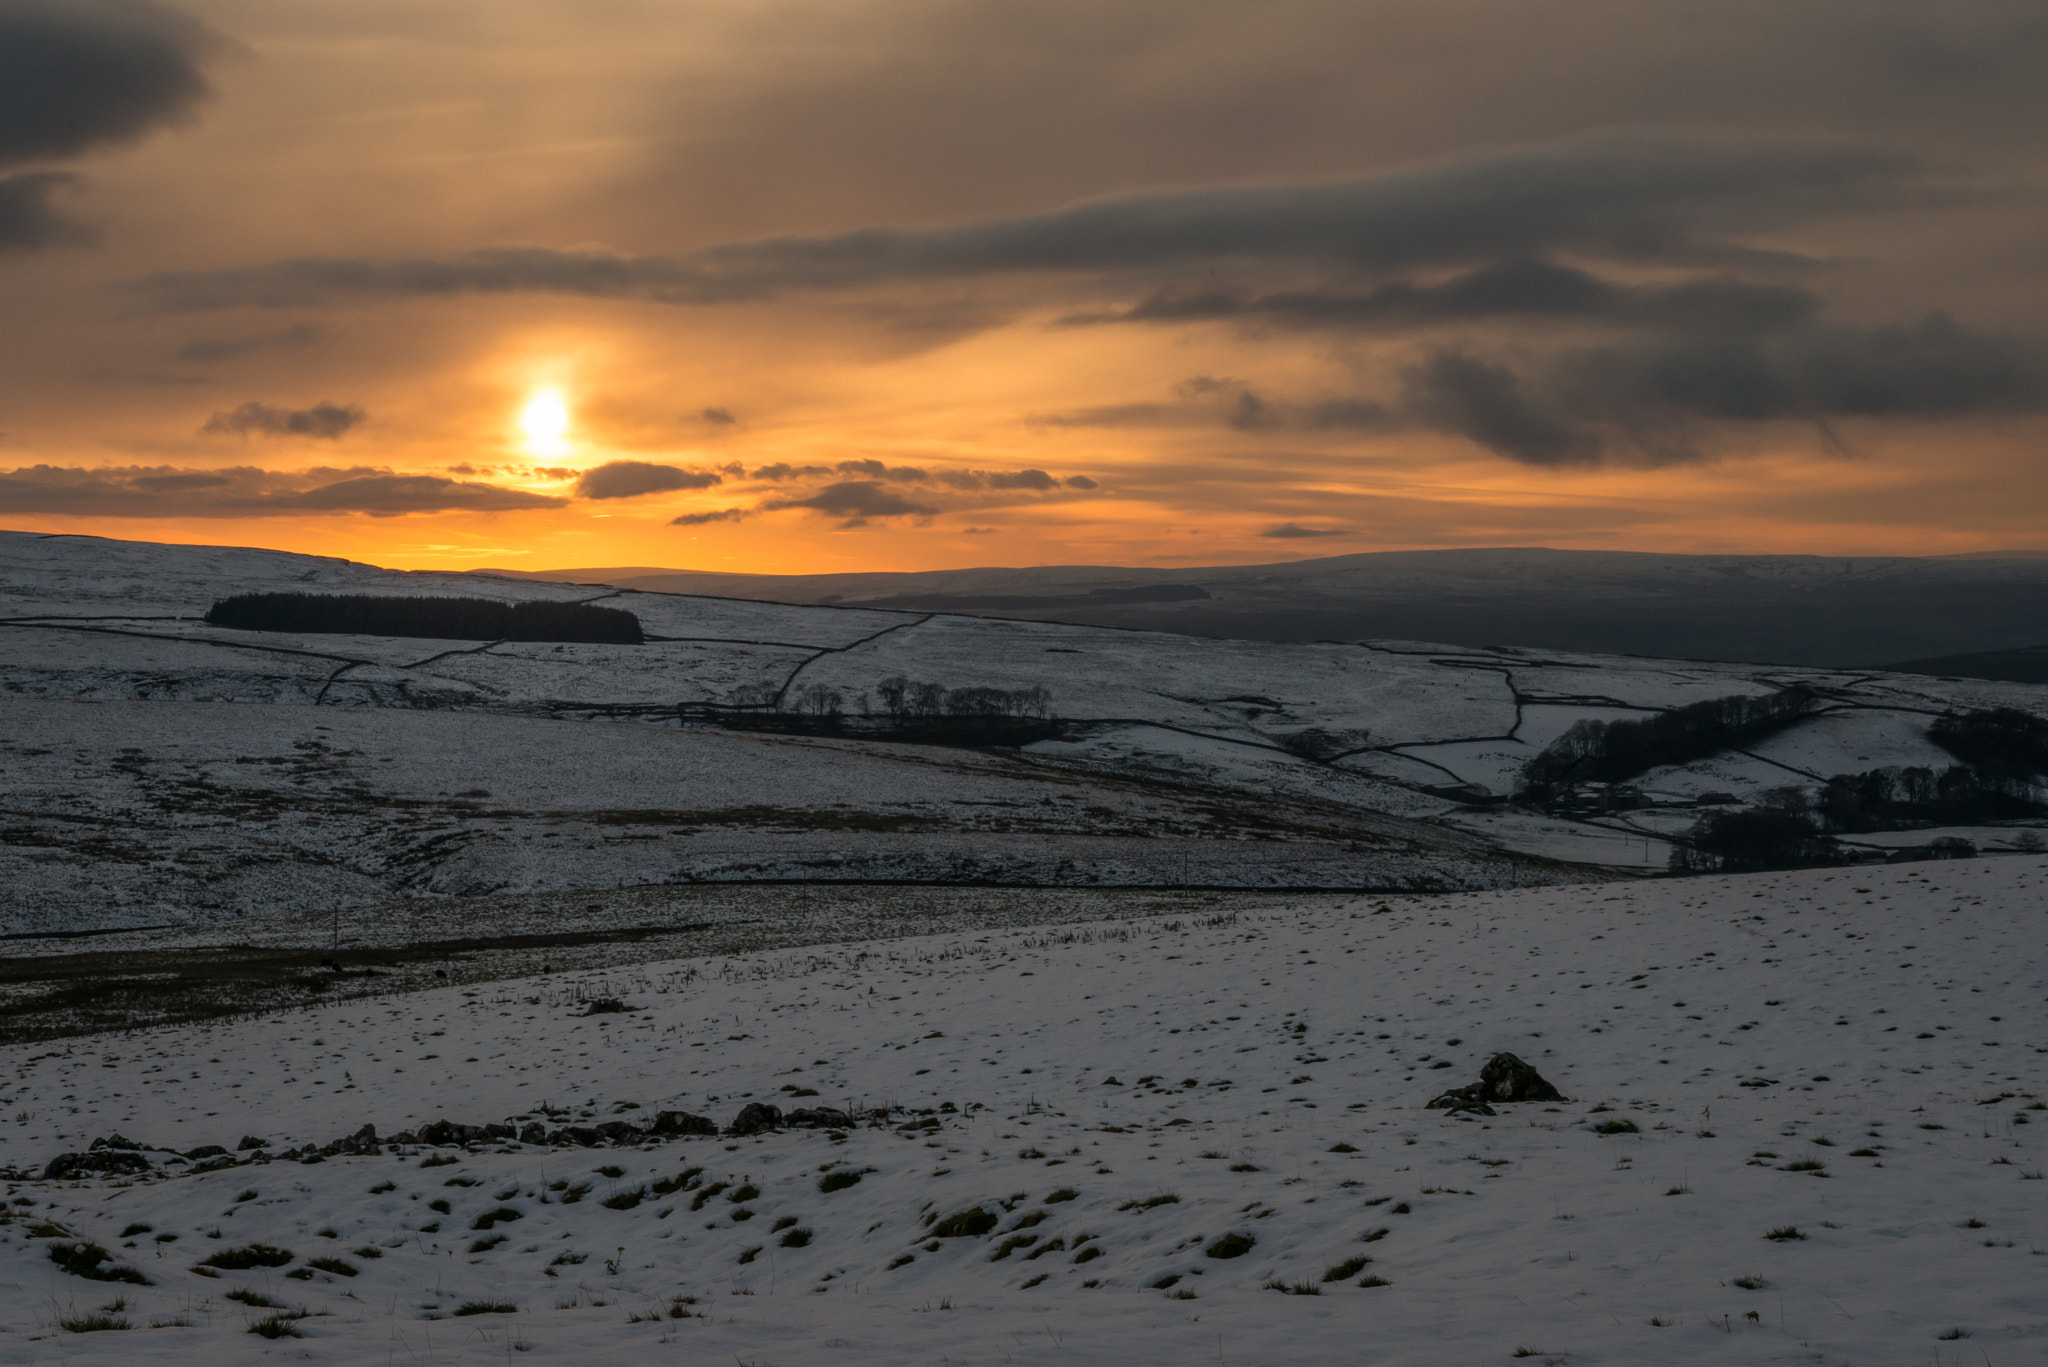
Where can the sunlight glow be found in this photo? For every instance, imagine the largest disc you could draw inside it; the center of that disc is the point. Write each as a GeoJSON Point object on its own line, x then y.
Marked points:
{"type": "Point", "coordinates": [545, 421]}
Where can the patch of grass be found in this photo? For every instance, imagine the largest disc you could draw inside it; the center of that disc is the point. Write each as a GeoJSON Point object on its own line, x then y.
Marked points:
{"type": "Point", "coordinates": [1524, 1351]}
{"type": "Point", "coordinates": [1370, 1280]}
{"type": "Point", "coordinates": [1803, 1165]}
{"type": "Point", "coordinates": [503, 1215]}
{"type": "Point", "coordinates": [384, 1186]}
{"type": "Point", "coordinates": [1863, 1153]}
{"type": "Point", "coordinates": [368, 1251]}
{"type": "Point", "coordinates": [704, 1194]}
{"type": "Point", "coordinates": [1055, 1246]}
{"type": "Point", "coordinates": [839, 1180]}
{"type": "Point", "coordinates": [912, 1257]}
{"type": "Point", "coordinates": [1303, 1288]}
{"type": "Point", "coordinates": [340, 1267]}
{"type": "Point", "coordinates": [487, 1308]}
{"type": "Point", "coordinates": [966, 1224]}
{"type": "Point", "coordinates": [248, 1256]}
{"type": "Point", "coordinates": [1373, 1236]}
{"type": "Point", "coordinates": [568, 1259]}
{"type": "Point", "coordinates": [1088, 1254]}
{"type": "Point", "coordinates": [1784, 1234]}
{"type": "Point", "coordinates": [248, 1195]}
{"type": "Point", "coordinates": [132, 1230]}
{"type": "Point", "coordinates": [282, 1325]}
{"type": "Point", "coordinates": [1341, 1147]}
{"type": "Point", "coordinates": [625, 1200]}
{"type": "Point", "coordinates": [1950, 1335]}
{"type": "Point", "coordinates": [439, 1160]}
{"type": "Point", "coordinates": [576, 1193]}
{"type": "Point", "coordinates": [489, 1242]}
{"type": "Point", "coordinates": [1346, 1269]}
{"type": "Point", "coordinates": [1034, 1281]}
{"type": "Point", "coordinates": [743, 1193]}
{"type": "Point", "coordinates": [94, 1321]}
{"type": "Point", "coordinates": [1616, 1127]}
{"type": "Point", "coordinates": [439, 1205]}
{"type": "Point", "coordinates": [1245, 1167]}
{"type": "Point", "coordinates": [1752, 1282]}
{"type": "Point", "coordinates": [796, 1238]}
{"type": "Point", "coordinates": [1063, 1194]}
{"type": "Point", "coordinates": [250, 1296]}
{"type": "Point", "coordinates": [612, 1170]}
{"type": "Point", "coordinates": [1164, 1198]}
{"type": "Point", "coordinates": [1011, 1245]}
{"type": "Point", "coordinates": [85, 1259]}
{"type": "Point", "coordinates": [680, 1182]}
{"type": "Point", "coordinates": [748, 1255]}
{"type": "Point", "coordinates": [1231, 1246]}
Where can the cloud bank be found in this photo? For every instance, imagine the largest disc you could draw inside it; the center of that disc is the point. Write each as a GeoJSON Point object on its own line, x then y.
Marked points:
{"type": "Point", "coordinates": [632, 478]}
{"type": "Point", "coordinates": [247, 491]}
{"type": "Point", "coordinates": [323, 421]}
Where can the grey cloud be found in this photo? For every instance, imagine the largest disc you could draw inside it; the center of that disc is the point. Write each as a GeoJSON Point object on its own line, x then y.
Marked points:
{"type": "Point", "coordinates": [701, 519]}
{"type": "Point", "coordinates": [1080, 482]}
{"type": "Point", "coordinates": [1514, 289]}
{"type": "Point", "coordinates": [782, 470]}
{"type": "Point", "coordinates": [245, 491]}
{"type": "Point", "coordinates": [1660, 402]}
{"type": "Point", "coordinates": [80, 74]}
{"type": "Point", "coordinates": [856, 501]}
{"type": "Point", "coordinates": [1632, 194]}
{"type": "Point", "coordinates": [1364, 415]}
{"type": "Point", "coordinates": [632, 478]}
{"type": "Point", "coordinates": [324, 421]}
{"type": "Point", "coordinates": [1293, 531]}
{"type": "Point", "coordinates": [874, 469]}
{"type": "Point", "coordinates": [717, 417]}
{"type": "Point", "coordinates": [28, 217]}
{"type": "Point", "coordinates": [227, 348]}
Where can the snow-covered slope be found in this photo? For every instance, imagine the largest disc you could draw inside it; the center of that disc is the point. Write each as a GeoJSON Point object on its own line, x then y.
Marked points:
{"type": "Point", "coordinates": [1852, 1059]}
{"type": "Point", "coordinates": [156, 768]}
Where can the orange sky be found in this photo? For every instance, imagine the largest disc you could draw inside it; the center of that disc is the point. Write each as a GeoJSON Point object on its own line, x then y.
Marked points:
{"type": "Point", "coordinates": [1344, 278]}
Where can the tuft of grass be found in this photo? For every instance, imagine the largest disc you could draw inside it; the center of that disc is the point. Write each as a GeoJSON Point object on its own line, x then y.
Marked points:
{"type": "Point", "coordinates": [796, 1238]}
{"type": "Point", "coordinates": [487, 1308]}
{"type": "Point", "coordinates": [611, 1170]}
{"type": "Point", "coordinates": [748, 1255]}
{"type": "Point", "coordinates": [250, 1296]}
{"type": "Point", "coordinates": [340, 1267]}
{"type": "Point", "coordinates": [1301, 1288]}
{"type": "Point", "coordinates": [282, 1325]}
{"type": "Point", "coordinates": [85, 1259]}
{"type": "Point", "coordinates": [1063, 1194]}
{"type": "Point", "coordinates": [1680, 1190]}
{"type": "Point", "coordinates": [1341, 1147]}
{"type": "Point", "coordinates": [839, 1180]}
{"type": "Point", "coordinates": [1373, 1236]}
{"type": "Point", "coordinates": [439, 1205]}
{"type": "Point", "coordinates": [1165, 1198]}
{"type": "Point", "coordinates": [1784, 1234]}
{"type": "Point", "coordinates": [1245, 1167]}
{"type": "Point", "coordinates": [439, 1160]}
{"type": "Point", "coordinates": [1752, 1282]}
{"type": "Point", "coordinates": [132, 1230]}
{"type": "Point", "coordinates": [248, 1195]}
{"type": "Point", "coordinates": [248, 1256]}
{"type": "Point", "coordinates": [368, 1251]}
{"type": "Point", "coordinates": [386, 1185]}
{"type": "Point", "coordinates": [488, 1242]}
{"type": "Point", "coordinates": [744, 1193]}
{"type": "Point", "coordinates": [912, 1257]}
{"type": "Point", "coordinates": [1616, 1127]}
{"type": "Point", "coordinates": [93, 1321]}
{"type": "Point", "coordinates": [1343, 1271]}
{"type": "Point", "coordinates": [1950, 1335]}
{"type": "Point", "coordinates": [1231, 1246]}
{"type": "Point", "coordinates": [503, 1215]}
{"type": "Point", "coordinates": [668, 1186]}
{"type": "Point", "coordinates": [625, 1200]}
{"type": "Point", "coordinates": [1370, 1280]}
{"type": "Point", "coordinates": [576, 1193]}
{"type": "Point", "coordinates": [1524, 1351]}
{"type": "Point", "coordinates": [1011, 1245]}
{"type": "Point", "coordinates": [1034, 1281]}
{"type": "Point", "coordinates": [966, 1224]}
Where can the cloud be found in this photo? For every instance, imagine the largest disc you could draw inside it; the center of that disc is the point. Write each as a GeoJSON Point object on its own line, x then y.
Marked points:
{"type": "Point", "coordinates": [717, 417]}
{"type": "Point", "coordinates": [856, 501]}
{"type": "Point", "coordinates": [782, 470]}
{"type": "Point", "coordinates": [1518, 289]}
{"type": "Point", "coordinates": [632, 478]}
{"type": "Point", "coordinates": [246, 491]}
{"type": "Point", "coordinates": [1080, 482]}
{"type": "Point", "coordinates": [701, 519]}
{"type": "Point", "coordinates": [1630, 194]}
{"type": "Point", "coordinates": [1661, 401]}
{"type": "Point", "coordinates": [227, 348]}
{"type": "Point", "coordinates": [77, 75]}
{"type": "Point", "coordinates": [324, 421]}
{"type": "Point", "coordinates": [1292, 531]}
{"type": "Point", "coordinates": [28, 218]}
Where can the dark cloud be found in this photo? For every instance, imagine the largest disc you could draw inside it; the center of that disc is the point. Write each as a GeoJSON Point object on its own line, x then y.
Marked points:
{"type": "Point", "coordinates": [76, 75]}
{"type": "Point", "coordinates": [246, 491]}
{"type": "Point", "coordinates": [701, 519]}
{"type": "Point", "coordinates": [1293, 531]}
{"type": "Point", "coordinates": [1633, 194]}
{"type": "Point", "coordinates": [1362, 415]}
{"type": "Point", "coordinates": [1663, 401]}
{"type": "Point", "coordinates": [782, 470]}
{"type": "Point", "coordinates": [717, 417]}
{"type": "Point", "coordinates": [1517, 289]}
{"type": "Point", "coordinates": [856, 501]}
{"type": "Point", "coordinates": [227, 348]}
{"type": "Point", "coordinates": [874, 469]}
{"type": "Point", "coordinates": [1080, 482]}
{"type": "Point", "coordinates": [28, 217]}
{"type": "Point", "coordinates": [325, 421]}
{"type": "Point", "coordinates": [632, 478]}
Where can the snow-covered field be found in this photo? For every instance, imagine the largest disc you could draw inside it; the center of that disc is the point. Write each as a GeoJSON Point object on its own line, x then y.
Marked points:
{"type": "Point", "coordinates": [1854, 1054]}
{"type": "Point", "coordinates": [156, 769]}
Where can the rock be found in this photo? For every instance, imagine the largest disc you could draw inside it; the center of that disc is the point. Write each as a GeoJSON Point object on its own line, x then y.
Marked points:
{"type": "Point", "coordinates": [205, 1151]}
{"type": "Point", "coordinates": [363, 1141]}
{"type": "Point", "coordinates": [754, 1117]}
{"type": "Point", "coordinates": [682, 1122]}
{"type": "Point", "coordinates": [115, 1141]}
{"type": "Point", "coordinates": [250, 1141]}
{"type": "Point", "coordinates": [604, 1006]}
{"type": "Point", "coordinates": [445, 1132]}
{"type": "Point", "coordinates": [499, 1130]}
{"type": "Point", "coordinates": [1231, 1246]}
{"type": "Point", "coordinates": [215, 1163]}
{"type": "Point", "coordinates": [819, 1118]}
{"type": "Point", "coordinates": [582, 1136]}
{"type": "Point", "coordinates": [98, 1162]}
{"type": "Point", "coordinates": [619, 1132]}
{"type": "Point", "coordinates": [1504, 1078]}
{"type": "Point", "coordinates": [533, 1132]}
{"type": "Point", "coordinates": [403, 1137]}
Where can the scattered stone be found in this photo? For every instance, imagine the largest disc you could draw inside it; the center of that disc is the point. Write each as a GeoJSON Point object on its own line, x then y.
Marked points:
{"type": "Point", "coordinates": [1504, 1078]}
{"type": "Point", "coordinates": [115, 1141]}
{"type": "Point", "coordinates": [99, 1162]}
{"type": "Point", "coordinates": [682, 1122]}
{"type": "Point", "coordinates": [250, 1141]}
{"type": "Point", "coordinates": [204, 1151]}
{"type": "Point", "coordinates": [754, 1117]}
{"type": "Point", "coordinates": [604, 1006]}
{"type": "Point", "coordinates": [818, 1118]}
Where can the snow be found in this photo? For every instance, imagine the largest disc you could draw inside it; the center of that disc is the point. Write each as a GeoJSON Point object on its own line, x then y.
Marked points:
{"type": "Point", "coordinates": [1884, 1023]}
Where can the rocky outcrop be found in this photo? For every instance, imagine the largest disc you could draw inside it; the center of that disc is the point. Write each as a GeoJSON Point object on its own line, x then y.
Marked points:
{"type": "Point", "coordinates": [818, 1118]}
{"type": "Point", "coordinates": [754, 1118]}
{"type": "Point", "coordinates": [1504, 1078]}
{"type": "Point", "coordinates": [678, 1123]}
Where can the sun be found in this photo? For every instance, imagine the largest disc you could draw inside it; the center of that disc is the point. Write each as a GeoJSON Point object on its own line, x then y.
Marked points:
{"type": "Point", "coordinates": [545, 421]}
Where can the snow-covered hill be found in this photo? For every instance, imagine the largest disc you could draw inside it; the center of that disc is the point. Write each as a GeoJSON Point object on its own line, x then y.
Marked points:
{"type": "Point", "coordinates": [1804, 1124]}
{"type": "Point", "coordinates": [156, 768]}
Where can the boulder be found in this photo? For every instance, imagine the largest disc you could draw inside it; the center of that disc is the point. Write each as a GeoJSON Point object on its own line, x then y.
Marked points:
{"type": "Point", "coordinates": [102, 1162]}
{"type": "Point", "coordinates": [682, 1122]}
{"type": "Point", "coordinates": [819, 1118]}
{"type": "Point", "coordinates": [533, 1132]}
{"type": "Point", "coordinates": [205, 1151]}
{"type": "Point", "coordinates": [582, 1136]}
{"type": "Point", "coordinates": [250, 1141]}
{"type": "Point", "coordinates": [115, 1141]}
{"type": "Point", "coordinates": [754, 1117]}
{"type": "Point", "coordinates": [1503, 1078]}
{"type": "Point", "coordinates": [619, 1132]}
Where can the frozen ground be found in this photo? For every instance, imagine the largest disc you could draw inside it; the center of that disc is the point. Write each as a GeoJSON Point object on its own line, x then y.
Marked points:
{"type": "Point", "coordinates": [154, 769]}
{"type": "Point", "coordinates": [1854, 1054]}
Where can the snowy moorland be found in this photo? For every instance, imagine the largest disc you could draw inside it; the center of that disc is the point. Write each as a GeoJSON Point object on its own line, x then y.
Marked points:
{"type": "Point", "coordinates": [1803, 1124]}
{"type": "Point", "coordinates": [159, 770]}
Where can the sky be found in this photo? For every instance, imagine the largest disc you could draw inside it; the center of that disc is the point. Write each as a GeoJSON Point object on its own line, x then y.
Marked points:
{"type": "Point", "coordinates": [799, 286]}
